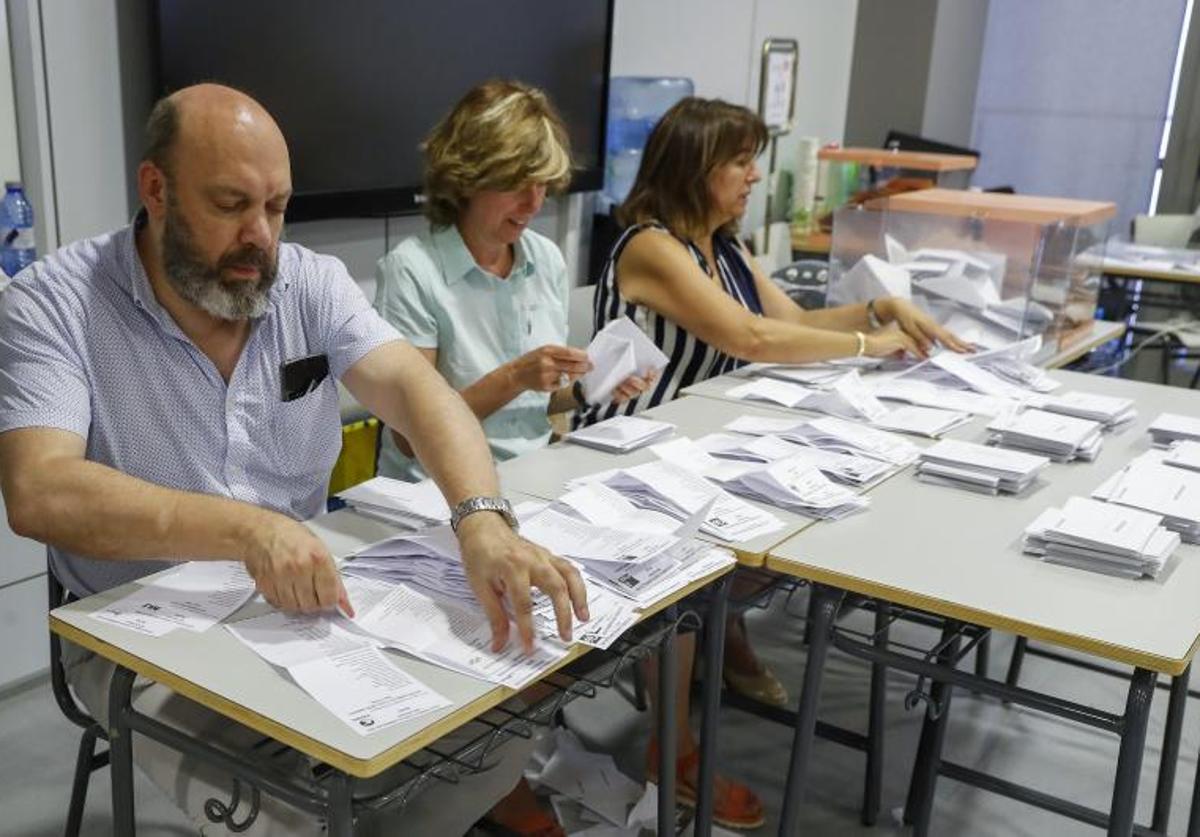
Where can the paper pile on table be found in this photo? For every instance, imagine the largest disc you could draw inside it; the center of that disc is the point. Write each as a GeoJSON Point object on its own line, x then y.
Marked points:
{"type": "Point", "coordinates": [980, 468]}
{"type": "Point", "coordinates": [621, 434]}
{"type": "Point", "coordinates": [409, 505]}
{"type": "Point", "coordinates": [931, 422]}
{"type": "Point", "coordinates": [619, 350]}
{"type": "Point", "coordinates": [1185, 454]}
{"type": "Point", "coordinates": [1062, 438]}
{"type": "Point", "coordinates": [1097, 536]}
{"type": "Point", "coordinates": [843, 467]}
{"type": "Point", "coordinates": [1148, 483]}
{"type": "Point", "coordinates": [1172, 427]}
{"type": "Point", "coordinates": [928, 394]}
{"type": "Point", "coordinates": [1109, 411]}
{"type": "Point", "coordinates": [846, 396]}
{"type": "Point", "coordinates": [791, 483]}
{"type": "Point", "coordinates": [678, 493]}
{"type": "Point", "coordinates": [841, 436]}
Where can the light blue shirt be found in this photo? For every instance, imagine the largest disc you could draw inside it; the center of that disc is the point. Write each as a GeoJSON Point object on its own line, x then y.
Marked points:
{"type": "Point", "coordinates": [432, 290]}
{"type": "Point", "coordinates": [85, 347]}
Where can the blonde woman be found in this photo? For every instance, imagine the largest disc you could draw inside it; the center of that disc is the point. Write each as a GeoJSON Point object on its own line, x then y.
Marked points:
{"type": "Point", "coordinates": [482, 295]}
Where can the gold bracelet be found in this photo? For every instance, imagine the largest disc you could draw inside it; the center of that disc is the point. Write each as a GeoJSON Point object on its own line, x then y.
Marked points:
{"type": "Point", "coordinates": [862, 344]}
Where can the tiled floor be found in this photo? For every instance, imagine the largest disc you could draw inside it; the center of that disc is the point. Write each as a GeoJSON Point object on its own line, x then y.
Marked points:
{"type": "Point", "coordinates": [38, 749]}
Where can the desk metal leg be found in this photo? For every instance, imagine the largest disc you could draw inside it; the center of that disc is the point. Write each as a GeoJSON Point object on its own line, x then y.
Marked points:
{"type": "Point", "coordinates": [120, 744]}
{"type": "Point", "coordinates": [822, 608]}
{"type": "Point", "coordinates": [919, 807]}
{"type": "Point", "coordinates": [1176, 705]}
{"type": "Point", "coordinates": [714, 663]}
{"type": "Point", "coordinates": [666, 729]}
{"type": "Point", "coordinates": [340, 810]}
{"type": "Point", "coordinates": [873, 779]}
{"type": "Point", "coordinates": [1133, 743]}
{"type": "Point", "coordinates": [1194, 813]}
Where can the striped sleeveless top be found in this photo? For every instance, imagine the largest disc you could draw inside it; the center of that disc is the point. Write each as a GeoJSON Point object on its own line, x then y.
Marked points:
{"type": "Point", "coordinates": [689, 358]}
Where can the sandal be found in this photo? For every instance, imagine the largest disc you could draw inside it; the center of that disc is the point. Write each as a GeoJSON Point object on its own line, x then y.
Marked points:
{"type": "Point", "coordinates": [763, 687]}
{"type": "Point", "coordinates": [734, 806]}
{"type": "Point", "coordinates": [533, 824]}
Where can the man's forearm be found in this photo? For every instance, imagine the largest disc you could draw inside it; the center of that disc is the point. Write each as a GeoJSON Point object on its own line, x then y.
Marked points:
{"type": "Point", "coordinates": [91, 509]}
{"type": "Point", "coordinates": [413, 398]}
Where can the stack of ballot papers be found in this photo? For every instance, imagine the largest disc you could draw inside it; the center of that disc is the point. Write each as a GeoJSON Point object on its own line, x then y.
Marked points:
{"type": "Point", "coordinates": [429, 564]}
{"type": "Point", "coordinates": [921, 421]}
{"type": "Point", "coordinates": [1148, 483]}
{"type": "Point", "coordinates": [1009, 364]}
{"type": "Point", "coordinates": [843, 467]}
{"type": "Point", "coordinates": [1097, 536]}
{"type": "Point", "coordinates": [818, 374]}
{"type": "Point", "coordinates": [1109, 411]}
{"type": "Point", "coordinates": [928, 394]}
{"type": "Point", "coordinates": [409, 505]}
{"type": "Point", "coordinates": [1172, 427]}
{"type": "Point", "coordinates": [791, 483]}
{"type": "Point", "coordinates": [679, 494]}
{"type": "Point", "coordinates": [194, 596]}
{"type": "Point", "coordinates": [1062, 438]}
{"type": "Point", "coordinates": [846, 396]}
{"type": "Point", "coordinates": [619, 350]}
{"type": "Point", "coordinates": [621, 434]}
{"type": "Point", "coordinates": [841, 436]}
{"type": "Point", "coordinates": [341, 667]}
{"type": "Point", "coordinates": [1185, 454]}
{"type": "Point", "coordinates": [954, 371]}
{"type": "Point", "coordinates": [979, 468]}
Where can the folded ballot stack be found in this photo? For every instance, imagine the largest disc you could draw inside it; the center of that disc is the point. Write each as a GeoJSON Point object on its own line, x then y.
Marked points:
{"type": "Point", "coordinates": [1150, 484]}
{"type": "Point", "coordinates": [1109, 411]}
{"type": "Point", "coordinates": [410, 505]}
{"type": "Point", "coordinates": [621, 434]}
{"type": "Point", "coordinates": [1098, 536]}
{"type": "Point", "coordinates": [1185, 454]}
{"type": "Point", "coordinates": [987, 470]}
{"type": "Point", "coordinates": [1172, 427]}
{"type": "Point", "coordinates": [1062, 438]}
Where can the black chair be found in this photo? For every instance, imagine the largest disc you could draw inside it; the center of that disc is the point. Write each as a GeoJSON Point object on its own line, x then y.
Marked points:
{"type": "Point", "coordinates": [912, 142]}
{"type": "Point", "coordinates": [88, 760]}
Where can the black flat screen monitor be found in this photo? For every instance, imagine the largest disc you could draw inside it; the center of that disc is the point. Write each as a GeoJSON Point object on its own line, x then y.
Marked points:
{"type": "Point", "coordinates": [356, 86]}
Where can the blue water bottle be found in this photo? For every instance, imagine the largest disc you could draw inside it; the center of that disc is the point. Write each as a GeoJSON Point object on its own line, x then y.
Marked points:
{"type": "Point", "coordinates": [17, 250]}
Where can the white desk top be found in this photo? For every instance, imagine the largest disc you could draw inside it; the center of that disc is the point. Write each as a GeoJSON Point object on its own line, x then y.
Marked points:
{"type": "Point", "coordinates": [218, 671]}
{"type": "Point", "coordinates": [543, 473]}
{"type": "Point", "coordinates": [958, 554]}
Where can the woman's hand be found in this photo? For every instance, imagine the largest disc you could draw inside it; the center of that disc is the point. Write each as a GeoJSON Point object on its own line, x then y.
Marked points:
{"type": "Point", "coordinates": [548, 368]}
{"type": "Point", "coordinates": [632, 387]}
{"type": "Point", "coordinates": [918, 325]}
{"type": "Point", "coordinates": [890, 342]}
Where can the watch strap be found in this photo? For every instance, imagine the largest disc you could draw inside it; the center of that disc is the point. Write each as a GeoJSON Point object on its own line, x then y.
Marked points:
{"type": "Point", "coordinates": [471, 505]}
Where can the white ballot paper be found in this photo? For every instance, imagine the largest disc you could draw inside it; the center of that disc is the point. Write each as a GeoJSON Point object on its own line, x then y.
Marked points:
{"type": "Point", "coordinates": [621, 434]}
{"type": "Point", "coordinates": [411, 505]}
{"type": "Point", "coordinates": [927, 394]}
{"type": "Point", "coordinates": [340, 668]}
{"type": "Point", "coordinates": [196, 596]}
{"type": "Point", "coordinates": [1185, 454]}
{"type": "Point", "coordinates": [619, 350]}
{"type": "Point", "coordinates": [921, 421]}
{"type": "Point", "coordinates": [1171, 427]}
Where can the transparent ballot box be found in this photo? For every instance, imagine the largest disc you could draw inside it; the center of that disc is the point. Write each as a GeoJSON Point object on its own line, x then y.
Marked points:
{"type": "Point", "coordinates": [995, 268]}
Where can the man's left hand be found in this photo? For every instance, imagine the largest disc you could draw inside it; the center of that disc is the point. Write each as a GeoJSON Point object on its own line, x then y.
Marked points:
{"type": "Point", "coordinates": [501, 565]}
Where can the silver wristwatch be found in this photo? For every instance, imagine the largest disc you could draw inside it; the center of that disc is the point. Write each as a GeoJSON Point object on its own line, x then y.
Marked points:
{"type": "Point", "coordinates": [477, 504]}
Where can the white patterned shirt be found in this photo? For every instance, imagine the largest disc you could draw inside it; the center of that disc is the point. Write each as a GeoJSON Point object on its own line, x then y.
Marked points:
{"type": "Point", "coordinates": [85, 347]}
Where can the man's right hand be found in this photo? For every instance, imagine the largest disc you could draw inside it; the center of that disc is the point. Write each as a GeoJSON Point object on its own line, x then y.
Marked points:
{"type": "Point", "coordinates": [293, 569]}
{"type": "Point", "coordinates": [542, 369]}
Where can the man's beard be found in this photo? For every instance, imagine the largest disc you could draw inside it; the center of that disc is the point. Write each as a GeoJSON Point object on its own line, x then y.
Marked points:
{"type": "Point", "coordinates": [201, 284]}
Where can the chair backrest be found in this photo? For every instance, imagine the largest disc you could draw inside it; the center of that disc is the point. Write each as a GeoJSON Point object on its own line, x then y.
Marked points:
{"type": "Point", "coordinates": [60, 596]}
{"type": "Point", "coordinates": [579, 316]}
{"type": "Point", "coordinates": [912, 142]}
{"type": "Point", "coordinates": [1163, 230]}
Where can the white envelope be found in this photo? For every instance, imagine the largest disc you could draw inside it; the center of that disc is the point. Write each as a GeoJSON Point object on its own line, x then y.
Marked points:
{"type": "Point", "coordinates": [619, 350]}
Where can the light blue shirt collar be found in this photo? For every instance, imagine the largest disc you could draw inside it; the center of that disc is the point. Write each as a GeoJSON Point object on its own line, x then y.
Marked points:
{"type": "Point", "coordinates": [458, 263]}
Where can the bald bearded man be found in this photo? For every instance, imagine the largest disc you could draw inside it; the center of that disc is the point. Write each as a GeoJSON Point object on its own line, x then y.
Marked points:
{"type": "Point", "coordinates": [150, 412]}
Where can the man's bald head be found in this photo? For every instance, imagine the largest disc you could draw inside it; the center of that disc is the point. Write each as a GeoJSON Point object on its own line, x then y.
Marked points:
{"type": "Point", "coordinates": [208, 114]}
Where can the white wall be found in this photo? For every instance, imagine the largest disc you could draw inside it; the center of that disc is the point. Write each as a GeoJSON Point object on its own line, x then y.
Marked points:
{"type": "Point", "coordinates": [10, 164]}
{"type": "Point", "coordinates": [954, 70]}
